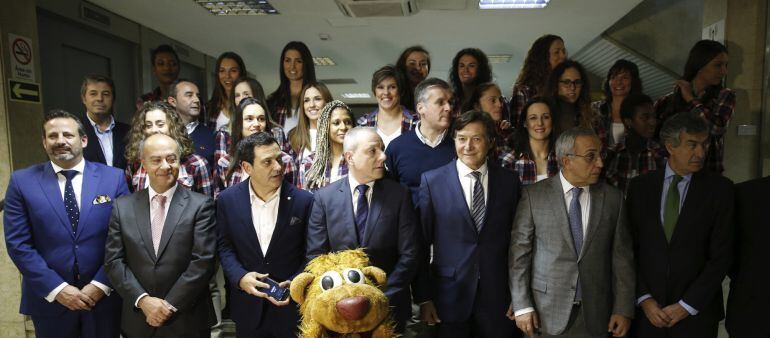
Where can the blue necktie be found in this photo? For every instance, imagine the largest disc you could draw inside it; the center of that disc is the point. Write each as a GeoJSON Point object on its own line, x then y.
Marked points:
{"type": "Point", "coordinates": [478, 208]}
{"type": "Point", "coordinates": [70, 202]}
{"type": "Point", "coordinates": [362, 211]}
{"type": "Point", "coordinates": [576, 227]}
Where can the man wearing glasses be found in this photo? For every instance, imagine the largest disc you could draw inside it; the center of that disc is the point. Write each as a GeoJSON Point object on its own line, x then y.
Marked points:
{"type": "Point", "coordinates": [578, 281]}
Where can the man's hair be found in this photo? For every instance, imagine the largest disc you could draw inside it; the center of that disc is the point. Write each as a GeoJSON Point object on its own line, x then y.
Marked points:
{"type": "Point", "coordinates": [247, 145]}
{"type": "Point", "coordinates": [682, 122]}
{"type": "Point", "coordinates": [631, 103]}
{"type": "Point", "coordinates": [565, 144]}
{"type": "Point", "coordinates": [95, 78]}
{"type": "Point", "coordinates": [471, 116]}
{"type": "Point", "coordinates": [352, 137]}
{"type": "Point", "coordinates": [172, 89]}
{"type": "Point", "coordinates": [421, 91]}
{"type": "Point", "coordinates": [163, 49]}
{"type": "Point", "coordinates": [62, 114]}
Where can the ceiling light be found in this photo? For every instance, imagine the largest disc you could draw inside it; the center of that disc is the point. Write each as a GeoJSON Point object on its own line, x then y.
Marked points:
{"type": "Point", "coordinates": [356, 95]}
{"type": "Point", "coordinates": [237, 7]}
{"type": "Point", "coordinates": [512, 4]}
{"type": "Point", "coordinates": [323, 61]}
{"type": "Point", "coordinates": [499, 58]}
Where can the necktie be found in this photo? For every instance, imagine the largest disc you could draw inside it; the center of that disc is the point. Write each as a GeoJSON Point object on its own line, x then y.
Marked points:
{"type": "Point", "coordinates": [478, 207]}
{"type": "Point", "coordinates": [576, 227]}
{"type": "Point", "coordinates": [158, 218]}
{"type": "Point", "coordinates": [671, 211]}
{"type": "Point", "coordinates": [362, 211]}
{"type": "Point", "coordinates": [70, 202]}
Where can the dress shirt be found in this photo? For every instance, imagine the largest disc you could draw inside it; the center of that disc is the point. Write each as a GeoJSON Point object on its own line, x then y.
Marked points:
{"type": "Point", "coordinates": [191, 127]}
{"type": "Point", "coordinates": [425, 140]}
{"type": "Point", "coordinates": [683, 186]}
{"type": "Point", "coordinates": [264, 215]}
{"type": "Point", "coordinates": [467, 181]}
{"type": "Point", "coordinates": [353, 184]}
{"type": "Point", "coordinates": [77, 186]}
{"type": "Point", "coordinates": [169, 194]}
{"type": "Point", "coordinates": [105, 138]}
{"type": "Point", "coordinates": [313, 135]}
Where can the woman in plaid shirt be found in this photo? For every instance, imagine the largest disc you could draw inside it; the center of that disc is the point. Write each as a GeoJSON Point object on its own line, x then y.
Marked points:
{"type": "Point", "coordinates": [296, 70]}
{"type": "Point", "coordinates": [302, 138]}
{"type": "Point", "coordinates": [229, 67]}
{"type": "Point", "coordinates": [622, 81]}
{"type": "Point", "coordinates": [327, 164]}
{"type": "Point", "coordinates": [487, 97]}
{"type": "Point", "coordinates": [533, 156]}
{"type": "Point", "coordinates": [391, 119]}
{"type": "Point", "coordinates": [159, 117]}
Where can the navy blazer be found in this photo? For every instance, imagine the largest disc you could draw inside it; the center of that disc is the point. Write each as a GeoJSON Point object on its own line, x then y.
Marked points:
{"type": "Point", "coordinates": [39, 236]}
{"type": "Point", "coordinates": [239, 248]}
{"type": "Point", "coordinates": [93, 152]}
{"type": "Point", "coordinates": [464, 259]}
{"type": "Point", "coordinates": [390, 239]}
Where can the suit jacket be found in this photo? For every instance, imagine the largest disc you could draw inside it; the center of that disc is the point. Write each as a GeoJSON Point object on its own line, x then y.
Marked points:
{"type": "Point", "coordinates": [240, 251]}
{"type": "Point", "coordinates": [544, 267]}
{"type": "Point", "coordinates": [179, 273]}
{"type": "Point", "coordinates": [390, 239]}
{"type": "Point", "coordinates": [39, 236]}
{"type": "Point", "coordinates": [693, 264]}
{"type": "Point", "coordinates": [749, 276]}
{"type": "Point", "coordinates": [465, 260]}
{"type": "Point", "coordinates": [94, 153]}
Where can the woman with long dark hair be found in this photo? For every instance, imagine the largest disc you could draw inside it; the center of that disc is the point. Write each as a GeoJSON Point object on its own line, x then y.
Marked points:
{"type": "Point", "coordinates": [533, 156]}
{"type": "Point", "coordinates": [414, 66]}
{"type": "Point", "coordinates": [470, 67]}
{"type": "Point", "coordinates": [229, 67]}
{"type": "Point", "coordinates": [327, 164]}
{"type": "Point", "coordinates": [569, 89]}
{"type": "Point", "coordinates": [391, 119]}
{"type": "Point", "coordinates": [302, 138]}
{"type": "Point", "coordinates": [296, 69]}
{"type": "Point", "coordinates": [546, 53]}
{"type": "Point", "coordinates": [488, 98]}
{"type": "Point", "coordinates": [622, 81]}
{"type": "Point", "coordinates": [246, 87]}
{"type": "Point", "coordinates": [700, 91]}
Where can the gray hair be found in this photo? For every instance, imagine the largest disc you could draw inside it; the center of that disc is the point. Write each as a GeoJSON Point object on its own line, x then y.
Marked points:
{"type": "Point", "coordinates": [565, 144]}
{"type": "Point", "coordinates": [682, 122]}
{"type": "Point", "coordinates": [353, 137]}
{"type": "Point", "coordinates": [144, 140]}
{"type": "Point", "coordinates": [421, 91]}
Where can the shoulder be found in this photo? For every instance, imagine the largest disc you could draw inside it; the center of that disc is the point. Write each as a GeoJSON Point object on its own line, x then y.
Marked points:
{"type": "Point", "coordinates": [204, 131]}
{"type": "Point", "coordinates": [714, 181]}
{"type": "Point", "coordinates": [231, 194]}
{"type": "Point", "coordinates": [329, 190]}
{"type": "Point", "coordinates": [299, 195]}
{"type": "Point", "coordinates": [121, 128]}
{"type": "Point", "coordinates": [196, 199]}
{"type": "Point", "coordinates": [753, 187]}
{"type": "Point", "coordinates": [105, 169]}
{"type": "Point", "coordinates": [441, 173]}
{"type": "Point", "coordinates": [401, 142]}
{"type": "Point", "coordinates": [29, 172]}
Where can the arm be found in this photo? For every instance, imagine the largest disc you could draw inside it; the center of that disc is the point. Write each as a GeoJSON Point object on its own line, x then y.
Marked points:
{"type": "Point", "coordinates": [408, 248]}
{"type": "Point", "coordinates": [642, 291]}
{"type": "Point", "coordinates": [317, 233]}
{"type": "Point", "coordinates": [231, 265]}
{"type": "Point", "coordinates": [202, 178]}
{"type": "Point", "coordinates": [423, 281]}
{"type": "Point", "coordinates": [623, 269]}
{"type": "Point", "coordinates": [520, 254]}
{"type": "Point", "coordinates": [115, 266]}
{"type": "Point", "coordinates": [720, 114]}
{"type": "Point", "coordinates": [101, 276]}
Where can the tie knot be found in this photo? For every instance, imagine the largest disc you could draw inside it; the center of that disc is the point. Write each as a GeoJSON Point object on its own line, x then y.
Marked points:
{"type": "Point", "coordinates": [160, 199]}
{"type": "Point", "coordinates": [677, 179]}
{"type": "Point", "coordinates": [362, 188]}
{"type": "Point", "coordinates": [576, 192]}
{"type": "Point", "coordinates": [476, 174]}
{"type": "Point", "coordinates": [69, 174]}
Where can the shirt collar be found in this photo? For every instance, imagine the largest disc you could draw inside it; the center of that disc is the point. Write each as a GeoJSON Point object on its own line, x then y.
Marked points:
{"type": "Point", "coordinates": [463, 170]}
{"type": "Point", "coordinates": [191, 127]}
{"type": "Point", "coordinates": [254, 198]}
{"type": "Point", "coordinates": [353, 183]}
{"type": "Point", "coordinates": [168, 193]}
{"type": "Point", "coordinates": [99, 130]}
{"type": "Point", "coordinates": [78, 167]}
{"type": "Point", "coordinates": [670, 173]}
{"type": "Point", "coordinates": [424, 139]}
{"type": "Point", "coordinates": [566, 186]}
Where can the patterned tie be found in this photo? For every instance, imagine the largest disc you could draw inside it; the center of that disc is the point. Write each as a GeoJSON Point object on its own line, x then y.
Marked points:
{"type": "Point", "coordinates": [478, 208]}
{"type": "Point", "coordinates": [70, 202]}
{"type": "Point", "coordinates": [576, 227]}
{"type": "Point", "coordinates": [158, 218]}
{"type": "Point", "coordinates": [671, 211]}
{"type": "Point", "coordinates": [362, 211]}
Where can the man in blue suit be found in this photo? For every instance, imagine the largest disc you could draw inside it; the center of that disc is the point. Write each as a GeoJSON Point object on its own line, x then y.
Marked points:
{"type": "Point", "coordinates": [262, 223]}
{"type": "Point", "coordinates": [366, 211]}
{"type": "Point", "coordinates": [56, 219]}
{"type": "Point", "coordinates": [467, 209]}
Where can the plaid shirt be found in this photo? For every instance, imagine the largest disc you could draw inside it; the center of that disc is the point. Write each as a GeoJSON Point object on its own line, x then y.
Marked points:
{"type": "Point", "coordinates": [620, 166]}
{"type": "Point", "coordinates": [408, 121]}
{"type": "Point", "coordinates": [519, 98]}
{"type": "Point", "coordinates": [154, 95]}
{"type": "Point", "coordinates": [193, 174]}
{"type": "Point", "coordinates": [307, 162]}
{"type": "Point", "coordinates": [717, 111]}
{"type": "Point", "coordinates": [602, 123]}
{"type": "Point", "coordinates": [527, 168]}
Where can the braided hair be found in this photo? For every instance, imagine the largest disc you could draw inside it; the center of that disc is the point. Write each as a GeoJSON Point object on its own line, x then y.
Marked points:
{"type": "Point", "coordinates": [323, 151]}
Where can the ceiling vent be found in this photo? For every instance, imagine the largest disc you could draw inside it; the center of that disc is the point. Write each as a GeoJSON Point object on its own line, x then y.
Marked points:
{"type": "Point", "coordinates": [373, 8]}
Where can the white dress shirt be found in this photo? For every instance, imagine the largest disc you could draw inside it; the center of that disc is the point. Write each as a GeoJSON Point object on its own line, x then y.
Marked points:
{"type": "Point", "coordinates": [190, 127]}
{"type": "Point", "coordinates": [425, 140]}
{"type": "Point", "coordinates": [105, 139]}
{"type": "Point", "coordinates": [467, 181]}
{"type": "Point", "coordinates": [354, 193]}
{"type": "Point", "coordinates": [169, 194]}
{"type": "Point", "coordinates": [264, 215]}
{"type": "Point", "coordinates": [77, 186]}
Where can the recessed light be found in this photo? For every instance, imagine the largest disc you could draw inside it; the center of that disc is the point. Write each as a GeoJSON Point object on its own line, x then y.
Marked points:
{"type": "Point", "coordinates": [512, 4]}
{"type": "Point", "coordinates": [237, 7]}
{"type": "Point", "coordinates": [323, 61]}
{"type": "Point", "coordinates": [499, 58]}
{"type": "Point", "coordinates": [356, 95]}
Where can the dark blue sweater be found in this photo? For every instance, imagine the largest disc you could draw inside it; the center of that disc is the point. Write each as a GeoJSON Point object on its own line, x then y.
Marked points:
{"type": "Point", "coordinates": [204, 144]}
{"type": "Point", "coordinates": [408, 158]}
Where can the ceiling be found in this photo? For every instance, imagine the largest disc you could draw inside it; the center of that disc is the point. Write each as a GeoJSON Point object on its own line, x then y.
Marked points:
{"type": "Point", "coordinates": [361, 45]}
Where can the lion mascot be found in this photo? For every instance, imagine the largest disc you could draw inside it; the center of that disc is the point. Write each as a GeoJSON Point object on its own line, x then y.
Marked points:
{"type": "Point", "coordinates": [340, 296]}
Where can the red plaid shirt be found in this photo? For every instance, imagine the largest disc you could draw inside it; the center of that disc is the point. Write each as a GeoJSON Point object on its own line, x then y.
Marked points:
{"type": "Point", "coordinates": [717, 111]}
{"type": "Point", "coordinates": [621, 167]}
{"type": "Point", "coordinates": [408, 121]}
{"type": "Point", "coordinates": [307, 162]}
{"type": "Point", "coordinates": [193, 174]}
{"type": "Point", "coordinates": [527, 168]}
{"type": "Point", "coordinates": [519, 98]}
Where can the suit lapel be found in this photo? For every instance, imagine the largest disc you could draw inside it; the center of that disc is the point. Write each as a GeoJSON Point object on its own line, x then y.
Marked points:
{"type": "Point", "coordinates": [49, 182]}
{"type": "Point", "coordinates": [375, 207]}
{"type": "Point", "coordinates": [177, 205]}
{"type": "Point", "coordinates": [345, 206]}
{"type": "Point", "coordinates": [560, 212]}
{"type": "Point", "coordinates": [91, 180]}
{"type": "Point", "coordinates": [243, 201]}
{"type": "Point", "coordinates": [285, 205]}
{"type": "Point", "coordinates": [456, 193]}
{"type": "Point", "coordinates": [142, 209]}
{"type": "Point", "coordinates": [594, 217]}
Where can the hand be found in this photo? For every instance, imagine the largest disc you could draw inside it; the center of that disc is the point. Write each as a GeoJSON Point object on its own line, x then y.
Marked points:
{"type": "Point", "coordinates": [155, 310]}
{"type": "Point", "coordinates": [252, 282]}
{"type": "Point", "coordinates": [619, 325]}
{"type": "Point", "coordinates": [284, 284]}
{"type": "Point", "coordinates": [685, 89]}
{"type": "Point", "coordinates": [505, 125]}
{"type": "Point", "coordinates": [93, 291]}
{"type": "Point", "coordinates": [654, 314]}
{"type": "Point", "coordinates": [676, 312]}
{"type": "Point", "coordinates": [528, 323]}
{"type": "Point", "coordinates": [428, 313]}
{"type": "Point", "coordinates": [74, 299]}
{"type": "Point", "coordinates": [509, 313]}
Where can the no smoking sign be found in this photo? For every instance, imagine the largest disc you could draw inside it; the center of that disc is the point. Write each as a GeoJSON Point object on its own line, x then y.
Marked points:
{"type": "Point", "coordinates": [22, 57]}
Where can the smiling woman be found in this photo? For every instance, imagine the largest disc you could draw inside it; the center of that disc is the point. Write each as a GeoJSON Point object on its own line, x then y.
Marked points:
{"type": "Point", "coordinates": [229, 67]}
{"type": "Point", "coordinates": [390, 118]}
{"type": "Point", "coordinates": [327, 163]}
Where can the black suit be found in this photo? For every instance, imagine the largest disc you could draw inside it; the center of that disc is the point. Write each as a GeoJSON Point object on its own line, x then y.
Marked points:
{"type": "Point", "coordinates": [693, 264]}
{"type": "Point", "coordinates": [747, 306]}
{"type": "Point", "coordinates": [179, 273]}
{"type": "Point", "coordinates": [93, 152]}
{"type": "Point", "coordinates": [390, 239]}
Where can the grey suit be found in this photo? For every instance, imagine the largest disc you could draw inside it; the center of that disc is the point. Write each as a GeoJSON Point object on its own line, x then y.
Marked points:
{"type": "Point", "coordinates": [544, 269]}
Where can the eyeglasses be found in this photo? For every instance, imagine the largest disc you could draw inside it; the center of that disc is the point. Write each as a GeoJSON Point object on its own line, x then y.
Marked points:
{"type": "Point", "coordinates": [591, 157]}
{"type": "Point", "coordinates": [568, 83]}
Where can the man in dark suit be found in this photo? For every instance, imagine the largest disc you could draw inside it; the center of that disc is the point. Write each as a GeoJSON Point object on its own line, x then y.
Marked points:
{"type": "Point", "coordinates": [262, 223]}
{"type": "Point", "coordinates": [108, 137]}
{"type": "Point", "coordinates": [184, 96]}
{"type": "Point", "coordinates": [55, 222]}
{"type": "Point", "coordinates": [750, 276]}
{"type": "Point", "coordinates": [681, 219]}
{"type": "Point", "coordinates": [160, 250]}
{"type": "Point", "coordinates": [366, 211]}
{"type": "Point", "coordinates": [466, 208]}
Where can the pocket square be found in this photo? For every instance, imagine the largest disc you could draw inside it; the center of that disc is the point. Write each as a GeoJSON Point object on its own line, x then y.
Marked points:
{"type": "Point", "coordinates": [101, 199]}
{"type": "Point", "coordinates": [294, 220]}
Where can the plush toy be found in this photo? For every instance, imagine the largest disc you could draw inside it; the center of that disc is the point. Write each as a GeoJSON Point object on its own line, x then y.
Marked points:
{"type": "Point", "coordinates": [340, 296]}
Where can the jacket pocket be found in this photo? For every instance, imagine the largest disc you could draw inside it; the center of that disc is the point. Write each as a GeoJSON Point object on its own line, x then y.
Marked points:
{"type": "Point", "coordinates": [539, 285]}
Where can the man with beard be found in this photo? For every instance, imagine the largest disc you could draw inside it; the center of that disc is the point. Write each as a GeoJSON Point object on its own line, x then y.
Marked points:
{"type": "Point", "coordinates": [184, 96]}
{"type": "Point", "coordinates": [56, 218]}
{"type": "Point", "coordinates": [108, 137]}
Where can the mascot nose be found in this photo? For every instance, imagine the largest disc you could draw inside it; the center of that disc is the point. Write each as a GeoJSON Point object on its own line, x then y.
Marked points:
{"type": "Point", "coordinates": [353, 308]}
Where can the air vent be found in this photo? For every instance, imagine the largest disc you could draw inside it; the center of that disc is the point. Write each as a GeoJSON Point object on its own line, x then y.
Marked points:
{"type": "Point", "coordinates": [338, 81]}
{"type": "Point", "coordinates": [94, 14]}
{"type": "Point", "coordinates": [373, 8]}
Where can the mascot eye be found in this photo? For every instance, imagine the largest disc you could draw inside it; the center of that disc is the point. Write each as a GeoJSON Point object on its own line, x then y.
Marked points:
{"type": "Point", "coordinates": [353, 276]}
{"type": "Point", "coordinates": [330, 279]}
